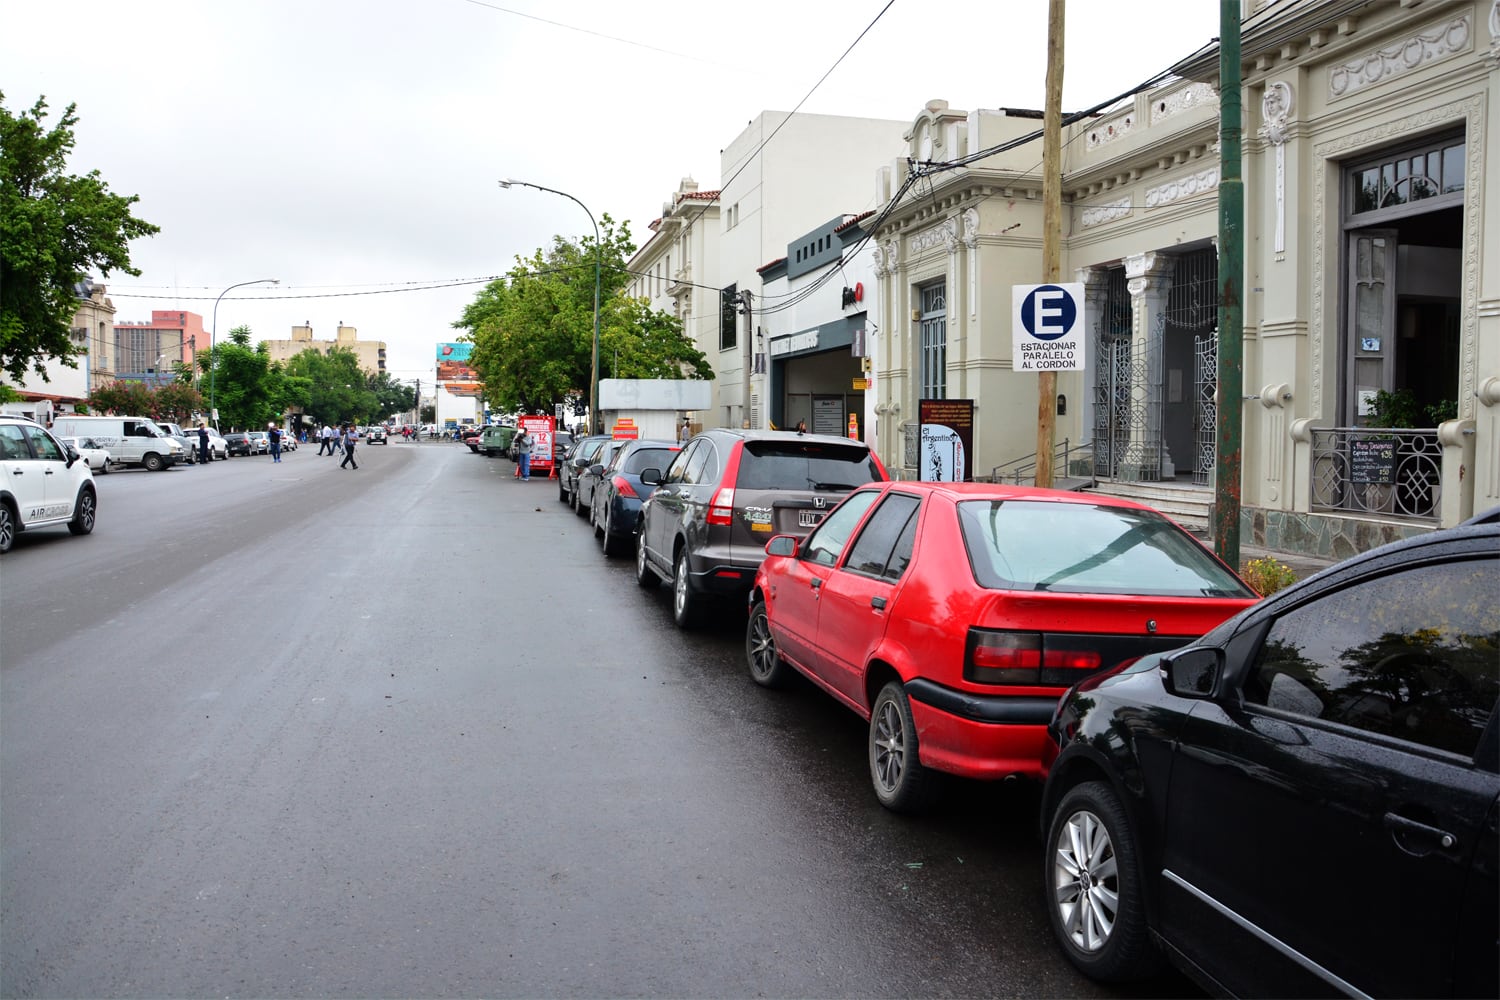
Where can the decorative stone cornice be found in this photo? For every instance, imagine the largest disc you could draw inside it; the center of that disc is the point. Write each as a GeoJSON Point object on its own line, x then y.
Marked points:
{"type": "Point", "coordinates": [1379, 65]}
{"type": "Point", "coordinates": [1098, 215]}
{"type": "Point", "coordinates": [1191, 97]}
{"type": "Point", "coordinates": [945, 233]}
{"type": "Point", "coordinates": [1183, 187]}
{"type": "Point", "coordinates": [1108, 131]}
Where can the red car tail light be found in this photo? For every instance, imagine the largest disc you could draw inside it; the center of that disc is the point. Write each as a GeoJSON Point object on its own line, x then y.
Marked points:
{"type": "Point", "coordinates": [622, 487]}
{"type": "Point", "coordinates": [1053, 660]}
{"type": "Point", "coordinates": [721, 507]}
{"type": "Point", "coordinates": [1003, 657]}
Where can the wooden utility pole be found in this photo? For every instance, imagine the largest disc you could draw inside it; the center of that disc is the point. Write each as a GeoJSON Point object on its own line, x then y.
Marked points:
{"type": "Point", "coordinates": [1046, 392]}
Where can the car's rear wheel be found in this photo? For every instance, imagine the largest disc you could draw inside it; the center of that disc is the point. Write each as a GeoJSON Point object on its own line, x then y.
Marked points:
{"type": "Point", "coordinates": [901, 783]}
{"type": "Point", "coordinates": [687, 603]}
{"type": "Point", "coordinates": [1095, 895]}
{"type": "Point", "coordinates": [607, 540]}
{"type": "Point", "coordinates": [152, 462]}
{"type": "Point", "coordinates": [84, 512]}
{"type": "Point", "coordinates": [645, 576]}
{"type": "Point", "coordinates": [8, 526]}
{"type": "Point", "coordinates": [104, 468]}
{"type": "Point", "coordinates": [578, 507]}
{"type": "Point", "coordinates": [767, 668]}
{"type": "Point", "coordinates": [562, 489]}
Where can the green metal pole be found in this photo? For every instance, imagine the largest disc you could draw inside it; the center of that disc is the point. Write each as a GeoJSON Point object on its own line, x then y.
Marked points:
{"type": "Point", "coordinates": [1230, 430]}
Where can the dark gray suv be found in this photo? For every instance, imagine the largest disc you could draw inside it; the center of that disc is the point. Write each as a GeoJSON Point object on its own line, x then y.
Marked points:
{"type": "Point", "coordinates": [728, 491]}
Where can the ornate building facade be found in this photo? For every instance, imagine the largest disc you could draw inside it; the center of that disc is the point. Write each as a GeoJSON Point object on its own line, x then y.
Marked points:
{"type": "Point", "coordinates": [1371, 285]}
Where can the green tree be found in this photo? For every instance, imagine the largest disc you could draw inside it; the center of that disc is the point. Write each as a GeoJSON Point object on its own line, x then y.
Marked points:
{"type": "Point", "coordinates": [177, 402]}
{"type": "Point", "coordinates": [332, 388]}
{"type": "Point", "coordinates": [122, 398]}
{"type": "Point", "coordinates": [247, 388]}
{"type": "Point", "coordinates": [391, 395]}
{"type": "Point", "coordinates": [533, 329]}
{"type": "Point", "coordinates": [55, 228]}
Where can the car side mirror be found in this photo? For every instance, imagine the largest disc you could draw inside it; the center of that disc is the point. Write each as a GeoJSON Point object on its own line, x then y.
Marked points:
{"type": "Point", "coordinates": [72, 454]}
{"type": "Point", "coordinates": [782, 545]}
{"type": "Point", "coordinates": [651, 477]}
{"type": "Point", "coordinates": [1193, 672]}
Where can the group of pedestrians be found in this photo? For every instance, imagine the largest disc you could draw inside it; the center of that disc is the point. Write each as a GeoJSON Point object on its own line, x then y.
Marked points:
{"type": "Point", "coordinates": [333, 440]}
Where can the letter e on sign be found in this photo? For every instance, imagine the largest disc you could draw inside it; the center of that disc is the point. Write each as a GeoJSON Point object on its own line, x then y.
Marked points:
{"type": "Point", "coordinates": [1048, 327]}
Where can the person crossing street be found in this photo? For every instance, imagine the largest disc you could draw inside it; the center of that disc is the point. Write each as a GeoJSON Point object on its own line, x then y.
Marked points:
{"type": "Point", "coordinates": [349, 438]}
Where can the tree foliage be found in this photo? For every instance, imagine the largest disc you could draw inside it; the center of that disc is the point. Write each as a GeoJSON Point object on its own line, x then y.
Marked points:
{"type": "Point", "coordinates": [55, 229]}
{"type": "Point", "coordinates": [533, 330]}
{"type": "Point", "coordinates": [244, 385]}
{"type": "Point", "coordinates": [332, 388]}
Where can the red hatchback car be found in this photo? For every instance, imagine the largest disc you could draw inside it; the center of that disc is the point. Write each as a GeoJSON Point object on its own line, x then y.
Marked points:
{"type": "Point", "coordinates": [953, 616]}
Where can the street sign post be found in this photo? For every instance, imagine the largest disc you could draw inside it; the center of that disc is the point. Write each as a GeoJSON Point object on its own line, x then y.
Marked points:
{"type": "Point", "coordinates": [1048, 328]}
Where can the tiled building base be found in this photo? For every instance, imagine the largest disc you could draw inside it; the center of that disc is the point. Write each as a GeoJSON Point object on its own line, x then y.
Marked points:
{"type": "Point", "coordinates": [1327, 536]}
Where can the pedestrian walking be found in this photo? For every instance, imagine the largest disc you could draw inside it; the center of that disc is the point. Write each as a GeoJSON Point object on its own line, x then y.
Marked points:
{"type": "Point", "coordinates": [685, 432]}
{"type": "Point", "coordinates": [274, 434]}
{"type": "Point", "coordinates": [522, 444]}
{"type": "Point", "coordinates": [325, 440]}
{"type": "Point", "coordinates": [204, 456]}
{"type": "Point", "coordinates": [349, 439]}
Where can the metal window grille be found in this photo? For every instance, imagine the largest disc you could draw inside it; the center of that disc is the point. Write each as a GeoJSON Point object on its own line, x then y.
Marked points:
{"type": "Point", "coordinates": [934, 341]}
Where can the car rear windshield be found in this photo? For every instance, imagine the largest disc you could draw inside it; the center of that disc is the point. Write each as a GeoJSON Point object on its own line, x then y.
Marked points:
{"type": "Point", "coordinates": [805, 465]}
{"type": "Point", "coordinates": [1082, 548]}
{"type": "Point", "coordinates": [642, 459]}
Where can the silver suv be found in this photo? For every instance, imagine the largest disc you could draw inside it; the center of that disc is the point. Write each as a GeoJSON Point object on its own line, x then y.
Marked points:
{"type": "Point", "coordinates": [43, 482]}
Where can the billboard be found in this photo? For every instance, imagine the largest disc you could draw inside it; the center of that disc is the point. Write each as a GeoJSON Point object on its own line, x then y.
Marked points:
{"type": "Point", "coordinates": [453, 363]}
{"type": "Point", "coordinates": [454, 352]}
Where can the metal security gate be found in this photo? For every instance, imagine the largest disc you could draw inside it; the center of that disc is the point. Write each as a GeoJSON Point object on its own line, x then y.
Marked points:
{"type": "Point", "coordinates": [1206, 351]}
{"type": "Point", "coordinates": [1112, 369]}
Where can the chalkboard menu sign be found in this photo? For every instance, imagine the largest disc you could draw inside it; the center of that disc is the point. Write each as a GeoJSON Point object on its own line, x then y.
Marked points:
{"type": "Point", "coordinates": [1372, 460]}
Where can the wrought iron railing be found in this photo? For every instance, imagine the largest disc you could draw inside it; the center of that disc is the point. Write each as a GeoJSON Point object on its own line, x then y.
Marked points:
{"type": "Point", "coordinates": [911, 444]}
{"type": "Point", "coordinates": [1393, 472]}
{"type": "Point", "coordinates": [1065, 457]}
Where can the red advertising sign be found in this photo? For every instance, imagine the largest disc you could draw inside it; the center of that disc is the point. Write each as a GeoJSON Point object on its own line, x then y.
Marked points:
{"type": "Point", "coordinates": [541, 430]}
{"type": "Point", "coordinates": [625, 429]}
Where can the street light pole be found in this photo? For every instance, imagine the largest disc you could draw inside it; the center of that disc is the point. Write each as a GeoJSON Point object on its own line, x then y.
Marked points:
{"type": "Point", "coordinates": [594, 424]}
{"type": "Point", "coordinates": [213, 337]}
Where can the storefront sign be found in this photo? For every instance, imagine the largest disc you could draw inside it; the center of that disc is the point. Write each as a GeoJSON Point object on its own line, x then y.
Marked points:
{"type": "Point", "coordinates": [947, 440]}
{"type": "Point", "coordinates": [1372, 460]}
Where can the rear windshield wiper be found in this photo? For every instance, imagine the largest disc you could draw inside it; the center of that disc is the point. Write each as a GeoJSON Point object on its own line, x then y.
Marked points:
{"type": "Point", "coordinates": [829, 486]}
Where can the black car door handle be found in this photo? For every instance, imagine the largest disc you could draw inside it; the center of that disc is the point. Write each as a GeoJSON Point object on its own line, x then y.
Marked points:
{"type": "Point", "coordinates": [1409, 834]}
{"type": "Point", "coordinates": [878, 603]}
{"type": "Point", "coordinates": [815, 583]}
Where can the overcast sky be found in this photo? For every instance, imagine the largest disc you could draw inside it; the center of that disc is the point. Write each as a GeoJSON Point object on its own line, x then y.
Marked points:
{"type": "Point", "coordinates": [351, 147]}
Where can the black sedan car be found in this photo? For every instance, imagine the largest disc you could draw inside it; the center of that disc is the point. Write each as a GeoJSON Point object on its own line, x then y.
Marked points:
{"type": "Point", "coordinates": [240, 443]}
{"type": "Point", "coordinates": [577, 458]}
{"type": "Point", "coordinates": [591, 475]}
{"type": "Point", "coordinates": [1304, 802]}
{"type": "Point", "coordinates": [615, 503]}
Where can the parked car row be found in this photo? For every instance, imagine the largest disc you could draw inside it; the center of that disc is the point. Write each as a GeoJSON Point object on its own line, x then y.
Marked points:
{"type": "Point", "coordinates": [1287, 797]}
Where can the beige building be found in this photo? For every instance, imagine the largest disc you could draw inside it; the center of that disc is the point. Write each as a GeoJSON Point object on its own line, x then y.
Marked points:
{"type": "Point", "coordinates": [93, 335]}
{"type": "Point", "coordinates": [371, 353]}
{"type": "Point", "coordinates": [677, 269]}
{"type": "Point", "coordinates": [1372, 278]}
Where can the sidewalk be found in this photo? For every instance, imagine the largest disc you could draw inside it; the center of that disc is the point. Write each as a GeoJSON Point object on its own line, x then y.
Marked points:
{"type": "Point", "coordinates": [1303, 564]}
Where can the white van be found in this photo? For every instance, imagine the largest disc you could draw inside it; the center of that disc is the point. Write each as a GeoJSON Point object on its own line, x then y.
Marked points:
{"type": "Point", "coordinates": [130, 440]}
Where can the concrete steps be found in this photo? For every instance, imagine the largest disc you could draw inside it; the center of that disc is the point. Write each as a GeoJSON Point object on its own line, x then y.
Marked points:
{"type": "Point", "coordinates": [1190, 506]}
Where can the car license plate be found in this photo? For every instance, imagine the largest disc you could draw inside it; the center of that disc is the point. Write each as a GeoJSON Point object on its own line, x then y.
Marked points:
{"type": "Point", "coordinates": [808, 518]}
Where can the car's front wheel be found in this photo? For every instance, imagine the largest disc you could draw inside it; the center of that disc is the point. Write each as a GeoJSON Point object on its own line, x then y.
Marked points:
{"type": "Point", "coordinates": [1094, 887]}
{"type": "Point", "coordinates": [901, 783]}
{"type": "Point", "coordinates": [84, 512]}
{"type": "Point", "coordinates": [153, 462]}
{"type": "Point", "coordinates": [767, 668]}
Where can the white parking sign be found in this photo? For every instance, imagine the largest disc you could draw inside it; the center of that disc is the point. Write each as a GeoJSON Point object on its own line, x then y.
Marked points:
{"type": "Point", "coordinates": [1048, 327]}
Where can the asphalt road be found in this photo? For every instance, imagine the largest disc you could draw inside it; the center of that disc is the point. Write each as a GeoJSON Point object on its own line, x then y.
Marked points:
{"type": "Point", "coordinates": [291, 730]}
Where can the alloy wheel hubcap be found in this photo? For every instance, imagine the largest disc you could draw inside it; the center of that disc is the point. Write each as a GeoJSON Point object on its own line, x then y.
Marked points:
{"type": "Point", "coordinates": [1086, 881]}
{"type": "Point", "coordinates": [890, 747]}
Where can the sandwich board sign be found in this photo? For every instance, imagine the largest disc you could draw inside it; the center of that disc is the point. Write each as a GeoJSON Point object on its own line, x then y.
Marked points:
{"type": "Point", "coordinates": [1048, 328]}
